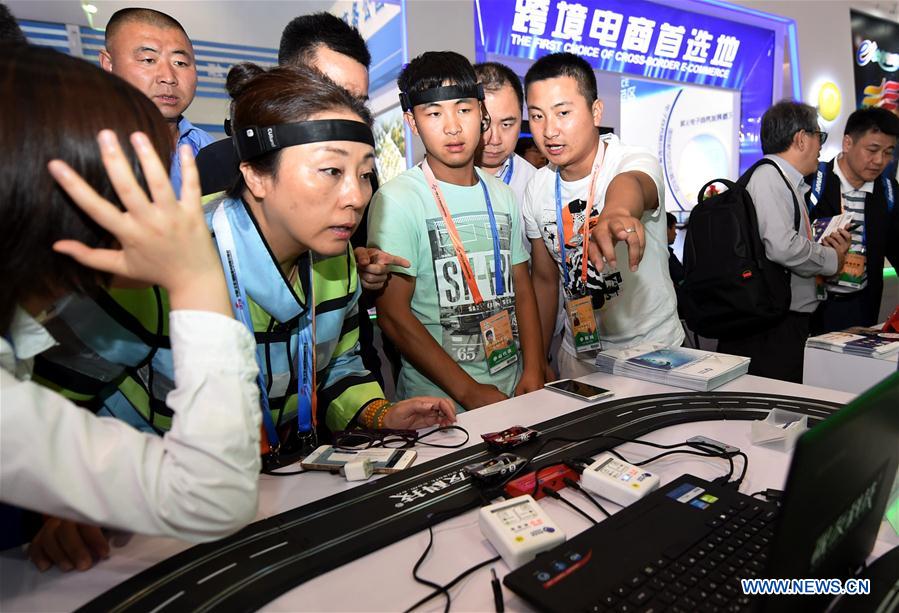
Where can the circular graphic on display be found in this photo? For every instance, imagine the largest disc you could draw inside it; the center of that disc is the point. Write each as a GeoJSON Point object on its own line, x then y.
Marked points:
{"type": "Point", "coordinates": [701, 157]}
{"type": "Point", "coordinates": [829, 101]}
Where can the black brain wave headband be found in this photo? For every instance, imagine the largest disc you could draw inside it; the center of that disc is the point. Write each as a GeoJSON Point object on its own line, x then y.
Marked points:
{"type": "Point", "coordinates": [253, 141]}
{"type": "Point", "coordinates": [438, 94]}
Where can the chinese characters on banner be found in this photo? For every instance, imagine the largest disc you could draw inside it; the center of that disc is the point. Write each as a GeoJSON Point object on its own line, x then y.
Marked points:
{"type": "Point", "coordinates": [605, 34]}
{"type": "Point", "coordinates": [642, 38]}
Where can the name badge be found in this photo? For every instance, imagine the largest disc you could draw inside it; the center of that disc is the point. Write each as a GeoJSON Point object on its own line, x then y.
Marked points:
{"type": "Point", "coordinates": [499, 344]}
{"type": "Point", "coordinates": [583, 324]}
{"type": "Point", "coordinates": [853, 271]}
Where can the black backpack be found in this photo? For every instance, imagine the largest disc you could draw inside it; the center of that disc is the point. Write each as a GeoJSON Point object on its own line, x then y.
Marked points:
{"type": "Point", "coordinates": [730, 287]}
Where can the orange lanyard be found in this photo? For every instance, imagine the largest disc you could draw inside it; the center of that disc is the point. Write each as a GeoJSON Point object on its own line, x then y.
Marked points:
{"type": "Point", "coordinates": [585, 228]}
{"type": "Point", "coordinates": [453, 232]}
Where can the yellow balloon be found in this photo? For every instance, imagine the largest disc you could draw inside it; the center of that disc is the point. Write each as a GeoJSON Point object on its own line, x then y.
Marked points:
{"type": "Point", "coordinates": [829, 101]}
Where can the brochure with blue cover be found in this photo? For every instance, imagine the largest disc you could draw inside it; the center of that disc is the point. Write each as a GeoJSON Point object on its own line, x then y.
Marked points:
{"type": "Point", "coordinates": [677, 366]}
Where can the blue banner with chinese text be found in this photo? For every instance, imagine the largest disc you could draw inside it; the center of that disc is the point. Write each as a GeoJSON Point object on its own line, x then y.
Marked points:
{"type": "Point", "coordinates": [641, 38]}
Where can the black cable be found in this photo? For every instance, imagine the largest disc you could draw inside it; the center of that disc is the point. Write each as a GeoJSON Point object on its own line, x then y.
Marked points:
{"type": "Point", "coordinates": [434, 519]}
{"type": "Point", "coordinates": [769, 494]}
{"type": "Point", "coordinates": [282, 461]}
{"type": "Point", "coordinates": [554, 494]}
{"type": "Point", "coordinates": [574, 484]}
{"type": "Point", "coordinates": [418, 439]}
{"type": "Point", "coordinates": [395, 439]}
{"type": "Point", "coordinates": [537, 477]}
{"type": "Point", "coordinates": [668, 453]}
{"type": "Point", "coordinates": [710, 451]}
{"type": "Point", "coordinates": [290, 474]}
{"type": "Point", "coordinates": [421, 559]}
{"type": "Point", "coordinates": [453, 583]}
{"type": "Point", "coordinates": [722, 452]}
{"type": "Point", "coordinates": [421, 441]}
{"type": "Point", "coordinates": [736, 484]}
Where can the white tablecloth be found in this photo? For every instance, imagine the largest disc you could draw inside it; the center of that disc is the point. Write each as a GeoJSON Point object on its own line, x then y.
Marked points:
{"type": "Point", "coordinates": [382, 581]}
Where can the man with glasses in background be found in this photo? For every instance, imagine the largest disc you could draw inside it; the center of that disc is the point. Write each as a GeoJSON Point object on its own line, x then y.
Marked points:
{"type": "Point", "coordinates": [791, 139]}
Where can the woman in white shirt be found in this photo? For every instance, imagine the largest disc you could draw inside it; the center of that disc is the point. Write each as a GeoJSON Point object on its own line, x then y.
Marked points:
{"type": "Point", "coordinates": [200, 481]}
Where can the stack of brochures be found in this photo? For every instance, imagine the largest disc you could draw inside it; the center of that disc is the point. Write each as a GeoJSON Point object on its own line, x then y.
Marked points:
{"type": "Point", "coordinates": [868, 342]}
{"type": "Point", "coordinates": [677, 366]}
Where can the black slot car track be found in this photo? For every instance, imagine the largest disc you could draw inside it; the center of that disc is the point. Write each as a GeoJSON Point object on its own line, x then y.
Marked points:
{"type": "Point", "coordinates": [248, 569]}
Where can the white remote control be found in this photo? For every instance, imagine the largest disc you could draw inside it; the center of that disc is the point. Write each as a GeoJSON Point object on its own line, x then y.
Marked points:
{"type": "Point", "coordinates": [519, 529]}
{"type": "Point", "coordinates": [618, 481]}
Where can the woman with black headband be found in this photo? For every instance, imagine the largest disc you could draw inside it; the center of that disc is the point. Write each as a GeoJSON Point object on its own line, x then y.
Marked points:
{"type": "Point", "coordinates": [282, 234]}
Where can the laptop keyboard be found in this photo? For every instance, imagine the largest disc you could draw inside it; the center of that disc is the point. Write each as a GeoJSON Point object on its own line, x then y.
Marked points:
{"type": "Point", "coordinates": [704, 575]}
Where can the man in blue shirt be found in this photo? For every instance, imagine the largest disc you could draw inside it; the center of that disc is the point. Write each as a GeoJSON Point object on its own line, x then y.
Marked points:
{"type": "Point", "coordinates": [151, 51]}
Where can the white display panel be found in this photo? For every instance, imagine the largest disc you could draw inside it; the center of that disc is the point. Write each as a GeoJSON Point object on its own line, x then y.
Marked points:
{"type": "Point", "coordinates": [390, 143]}
{"type": "Point", "coordinates": [693, 130]}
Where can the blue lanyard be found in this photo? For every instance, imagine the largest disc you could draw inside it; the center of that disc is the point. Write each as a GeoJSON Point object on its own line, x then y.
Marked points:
{"type": "Point", "coordinates": [507, 176]}
{"type": "Point", "coordinates": [497, 259]}
{"type": "Point", "coordinates": [888, 190]}
{"type": "Point", "coordinates": [817, 186]}
{"type": "Point", "coordinates": [306, 367]}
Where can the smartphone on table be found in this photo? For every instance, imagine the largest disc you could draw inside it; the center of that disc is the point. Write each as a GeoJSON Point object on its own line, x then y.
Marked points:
{"type": "Point", "coordinates": [579, 389]}
{"type": "Point", "coordinates": [383, 460]}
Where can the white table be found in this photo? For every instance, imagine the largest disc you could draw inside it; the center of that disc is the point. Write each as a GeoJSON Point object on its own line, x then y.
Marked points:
{"type": "Point", "coordinates": [382, 581]}
{"type": "Point", "coordinates": [844, 371]}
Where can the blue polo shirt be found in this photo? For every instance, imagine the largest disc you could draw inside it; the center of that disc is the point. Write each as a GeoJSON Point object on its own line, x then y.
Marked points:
{"type": "Point", "coordinates": [188, 134]}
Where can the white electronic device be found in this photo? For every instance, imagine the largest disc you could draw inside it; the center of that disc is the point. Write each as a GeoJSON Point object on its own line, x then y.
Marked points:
{"type": "Point", "coordinates": [519, 529]}
{"type": "Point", "coordinates": [360, 470]}
{"type": "Point", "coordinates": [618, 481]}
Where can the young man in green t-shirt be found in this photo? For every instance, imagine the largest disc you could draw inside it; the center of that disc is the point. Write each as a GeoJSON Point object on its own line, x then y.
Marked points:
{"type": "Point", "coordinates": [463, 314]}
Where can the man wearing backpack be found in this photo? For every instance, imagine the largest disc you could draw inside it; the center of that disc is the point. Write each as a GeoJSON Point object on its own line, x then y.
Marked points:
{"type": "Point", "coordinates": [857, 184]}
{"type": "Point", "coordinates": [791, 139]}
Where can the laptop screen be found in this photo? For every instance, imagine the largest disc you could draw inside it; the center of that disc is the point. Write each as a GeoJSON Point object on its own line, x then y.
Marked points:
{"type": "Point", "coordinates": [838, 487]}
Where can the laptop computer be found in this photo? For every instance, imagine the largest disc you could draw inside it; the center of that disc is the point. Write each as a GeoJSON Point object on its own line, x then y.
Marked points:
{"type": "Point", "coordinates": [687, 545]}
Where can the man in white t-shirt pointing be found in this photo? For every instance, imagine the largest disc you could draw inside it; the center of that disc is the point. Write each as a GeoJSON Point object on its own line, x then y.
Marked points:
{"type": "Point", "coordinates": [623, 296]}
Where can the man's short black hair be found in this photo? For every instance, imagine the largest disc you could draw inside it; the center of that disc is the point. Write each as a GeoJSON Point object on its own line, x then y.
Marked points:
{"type": "Point", "coordinates": [782, 121]}
{"type": "Point", "coordinates": [435, 69]}
{"type": "Point", "coordinates": [564, 65]}
{"type": "Point", "coordinates": [672, 220]}
{"type": "Point", "coordinates": [10, 32]}
{"type": "Point", "coordinates": [305, 34]}
{"type": "Point", "coordinates": [873, 119]}
{"type": "Point", "coordinates": [494, 76]}
{"type": "Point", "coordinates": [141, 15]}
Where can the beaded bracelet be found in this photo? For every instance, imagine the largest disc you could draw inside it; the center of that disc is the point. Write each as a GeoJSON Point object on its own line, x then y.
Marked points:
{"type": "Point", "coordinates": [381, 414]}
{"type": "Point", "coordinates": [369, 414]}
